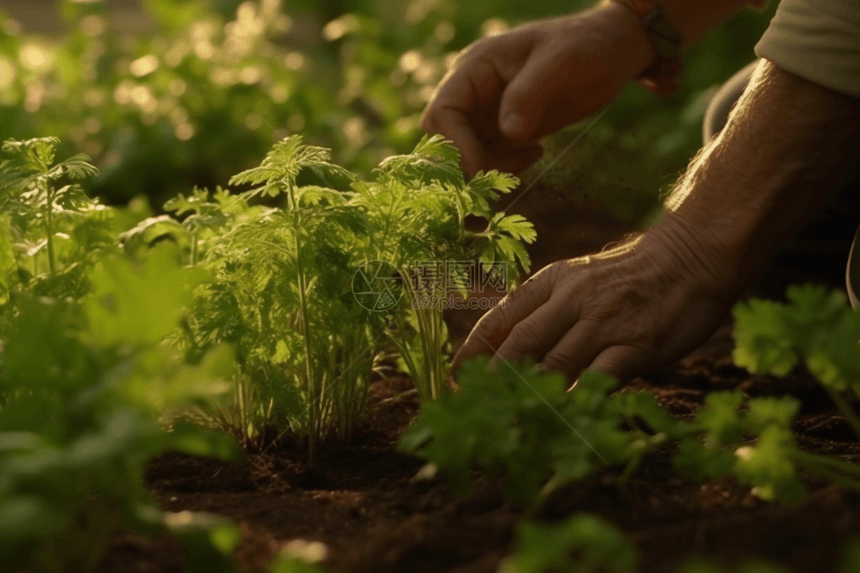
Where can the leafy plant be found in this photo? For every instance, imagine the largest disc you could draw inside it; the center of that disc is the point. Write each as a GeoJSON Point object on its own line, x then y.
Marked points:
{"type": "Point", "coordinates": [299, 227]}
{"type": "Point", "coordinates": [38, 208]}
{"type": "Point", "coordinates": [581, 542]}
{"type": "Point", "coordinates": [285, 291]}
{"type": "Point", "coordinates": [87, 383]}
{"type": "Point", "coordinates": [81, 386]}
{"type": "Point", "coordinates": [417, 209]}
{"type": "Point", "coordinates": [521, 424]}
{"type": "Point", "coordinates": [816, 329]}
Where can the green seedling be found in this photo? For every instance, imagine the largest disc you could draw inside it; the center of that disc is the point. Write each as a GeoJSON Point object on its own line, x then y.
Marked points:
{"type": "Point", "coordinates": [285, 294]}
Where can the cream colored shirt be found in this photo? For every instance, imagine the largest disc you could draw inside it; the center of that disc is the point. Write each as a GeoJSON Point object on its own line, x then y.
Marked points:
{"type": "Point", "coordinates": [818, 40]}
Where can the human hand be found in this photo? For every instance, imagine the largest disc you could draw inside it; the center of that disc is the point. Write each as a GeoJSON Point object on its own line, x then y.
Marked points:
{"type": "Point", "coordinates": [505, 92]}
{"type": "Point", "coordinates": [625, 311]}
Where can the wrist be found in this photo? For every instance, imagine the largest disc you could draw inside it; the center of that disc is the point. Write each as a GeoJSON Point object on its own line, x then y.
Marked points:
{"type": "Point", "coordinates": [632, 51]}
{"type": "Point", "coordinates": [664, 40]}
{"type": "Point", "coordinates": [703, 256]}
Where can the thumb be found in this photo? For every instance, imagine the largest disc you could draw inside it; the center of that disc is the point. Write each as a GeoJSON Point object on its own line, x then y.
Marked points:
{"type": "Point", "coordinates": [526, 99]}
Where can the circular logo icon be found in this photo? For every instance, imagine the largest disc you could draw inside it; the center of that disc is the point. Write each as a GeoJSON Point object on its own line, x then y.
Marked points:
{"type": "Point", "coordinates": [377, 286]}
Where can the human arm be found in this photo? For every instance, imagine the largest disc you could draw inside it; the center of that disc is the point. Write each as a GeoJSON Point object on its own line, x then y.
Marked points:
{"type": "Point", "coordinates": [788, 146]}
{"type": "Point", "coordinates": [504, 93]}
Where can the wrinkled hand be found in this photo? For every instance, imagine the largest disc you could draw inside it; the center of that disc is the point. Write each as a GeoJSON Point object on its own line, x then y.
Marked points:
{"type": "Point", "coordinates": [505, 92]}
{"type": "Point", "coordinates": [625, 311]}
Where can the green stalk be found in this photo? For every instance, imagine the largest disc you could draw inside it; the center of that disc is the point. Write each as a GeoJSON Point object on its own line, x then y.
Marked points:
{"type": "Point", "coordinates": [438, 342]}
{"type": "Point", "coordinates": [845, 408]}
{"type": "Point", "coordinates": [835, 477]}
{"type": "Point", "coordinates": [811, 459]}
{"type": "Point", "coordinates": [421, 378]}
{"type": "Point", "coordinates": [640, 448]}
{"type": "Point", "coordinates": [429, 323]}
{"type": "Point", "coordinates": [432, 332]}
{"type": "Point", "coordinates": [555, 484]}
{"type": "Point", "coordinates": [364, 390]}
{"type": "Point", "coordinates": [403, 348]}
{"type": "Point", "coordinates": [49, 223]}
{"type": "Point", "coordinates": [424, 337]}
{"type": "Point", "coordinates": [309, 376]}
{"type": "Point", "coordinates": [306, 335]}
{"type": "Point", "coordinates": [194, 249]}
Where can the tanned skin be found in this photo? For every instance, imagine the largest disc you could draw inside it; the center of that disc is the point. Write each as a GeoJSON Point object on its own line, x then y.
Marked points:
{"type": "Point", "coordinates": [788, 147]}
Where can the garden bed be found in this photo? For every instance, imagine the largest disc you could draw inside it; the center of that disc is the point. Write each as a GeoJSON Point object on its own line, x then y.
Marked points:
{"type": "Point", "coordinates": [364, 504]}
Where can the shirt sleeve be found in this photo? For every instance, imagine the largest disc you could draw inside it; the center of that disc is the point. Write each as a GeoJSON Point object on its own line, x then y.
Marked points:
{"type": "Point", "coordinates": [818, 40]}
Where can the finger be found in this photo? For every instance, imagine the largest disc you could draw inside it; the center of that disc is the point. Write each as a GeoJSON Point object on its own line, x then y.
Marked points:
{"type": "Point", "coordinates": [544, 84]}
{"type": "Point", "coordinates": [493, 328]}
{"type": "Point", "coordinates": [575, 351]}
{"type": "Point", "coordinates": [537, 333]}
{"type": "Point", "coordinates": [456, 127]}
{"type": "Point", "coordinates": [623, 361]}
{"type": "Point", "coordinates": [471, 91]}
{"type": "Point", "coordinates": [526, 98]}
{"type": "Point", "coordinates": [494, 153]}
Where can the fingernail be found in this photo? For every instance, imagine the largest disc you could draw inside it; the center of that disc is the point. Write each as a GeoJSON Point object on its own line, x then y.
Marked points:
{"type": "Point", "coordinates": [541, 367]}
{"type": "Point", "coordinates": [513, 124]}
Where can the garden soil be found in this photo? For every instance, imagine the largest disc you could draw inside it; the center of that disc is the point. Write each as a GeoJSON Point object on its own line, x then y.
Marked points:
{"type": "Point", "coordinates": [365, 505]}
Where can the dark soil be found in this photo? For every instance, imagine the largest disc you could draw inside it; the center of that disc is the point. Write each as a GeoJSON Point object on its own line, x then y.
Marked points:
{"type": "Point", "coordinates": [365, 505]}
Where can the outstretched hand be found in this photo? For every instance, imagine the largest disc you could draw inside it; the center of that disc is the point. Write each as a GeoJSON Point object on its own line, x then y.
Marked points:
{"type": "Point", "coordinates": [505, 92]}
{"type": "Point", "coordinates": [627, 310]}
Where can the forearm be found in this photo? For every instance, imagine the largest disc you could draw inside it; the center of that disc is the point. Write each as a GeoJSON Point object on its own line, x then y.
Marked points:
{"type": "Point", "coordinates": [788, 147]}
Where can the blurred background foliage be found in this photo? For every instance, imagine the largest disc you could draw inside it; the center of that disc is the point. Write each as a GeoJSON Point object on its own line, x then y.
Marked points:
{"type": "Point", "coordinates": [189, 92]}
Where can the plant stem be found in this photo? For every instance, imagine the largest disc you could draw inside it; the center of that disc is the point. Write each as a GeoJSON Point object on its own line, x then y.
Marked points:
{"type": "Point", "coordinates": [310, 383]}
{"type": "Point", "coordinates": [49, 224]}
{"type": "Point", "coordinates": [845, 408]}
{"type": "Point", "coordinates": [555, 483]}
{"type": "Point", "coordinates": [194, 249]}
{"type": "Point", "coordinates": [424, 335]}
{"type": "Point", "coordinates": [430, 329]}
{"type": "Point", "coordinates": [833, 462]}
{"type": "Point", "coordinates": [403, 349]}
{"type": "Point", "coordinates": [835, 477]}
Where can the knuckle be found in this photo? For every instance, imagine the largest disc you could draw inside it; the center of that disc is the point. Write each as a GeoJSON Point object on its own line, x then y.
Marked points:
{"type": "Point", "coordinates": [524, 336]}
{"type": "Point", "coordinates": [490, 323]}
{"type": "Point", "coordinates": [478, 49]}
{"type": "Point", "coordinates": [549, 272]}
{"type": "Point", "coordinates": [482, 52]}
{"type": "Point", "coordinates": [465, 55]}
{"type": "Point", "coordinates": [428, 119]}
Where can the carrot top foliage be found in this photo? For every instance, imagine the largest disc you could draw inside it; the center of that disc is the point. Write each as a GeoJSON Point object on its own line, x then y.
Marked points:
{"type": "Point", "coordinates": [117, 325]}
